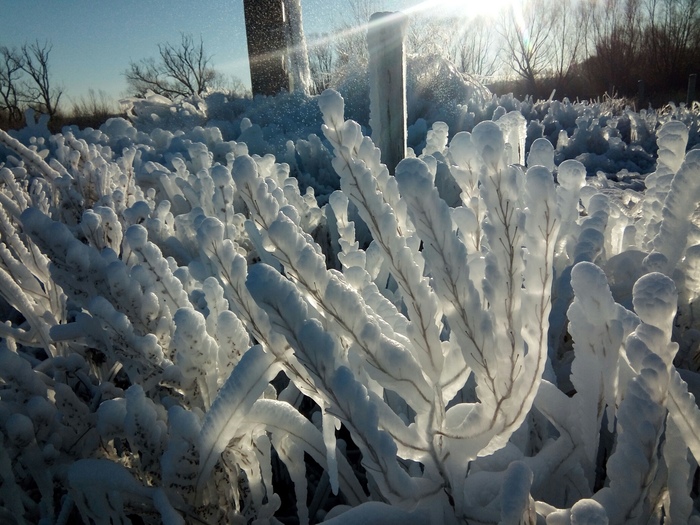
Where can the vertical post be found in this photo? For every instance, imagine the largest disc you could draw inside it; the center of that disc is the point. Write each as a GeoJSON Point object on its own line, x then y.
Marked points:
{"type": "Point", "coordinates": [264, 26]}
{"type": "Point", "coordinates": [299, 70]}
{"type": "Point", "coordinates": [692, 80]}
{"type": "Point", "coordinates": [387, 77]}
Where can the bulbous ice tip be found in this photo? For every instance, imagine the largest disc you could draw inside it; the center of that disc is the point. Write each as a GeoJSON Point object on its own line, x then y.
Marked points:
{"type": "Point", "coordinates": [588, 512]}
{"type": "Point", "coordinates": [244, 167]}
{"type": "Point", "coordinates": [489, 141]}
{"type": "Point", "coordinates": [413, 171]}
{"type": "Point", "coordinates": [586, 276]}
{"type": "Point", "coordinates": [188, 320]}
{"type": "Point", "coordinates": [655, 300]}
{"type": "Point", "coordinates": [541, 154]}
{"type": "Point", "coordinates": [462, 150]}
{"type": "Point", "coordinates": [136, 236]}
{"type": "Point", "coordinates": [210, 228]}
{"type": "Point", "coordinates": [571, 175]}
{"type": "Point", "coordinates": [655, 262]}
{"type": "Point", "coordinates": [20, 430]}
{"type": "Point", "coordinates": [332, 106]}
{"type": "Point", "coordinates": [539, 179]}
{"type": "Point", "coordinates": [220, 174]}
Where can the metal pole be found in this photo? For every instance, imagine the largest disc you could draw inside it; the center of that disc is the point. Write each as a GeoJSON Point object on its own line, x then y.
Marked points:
{"type": "Point", "coordinates": [264, 26]}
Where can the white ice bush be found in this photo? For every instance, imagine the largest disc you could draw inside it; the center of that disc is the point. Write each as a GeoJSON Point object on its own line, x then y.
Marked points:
{"type": "Point", "coordinates": [190, 338]}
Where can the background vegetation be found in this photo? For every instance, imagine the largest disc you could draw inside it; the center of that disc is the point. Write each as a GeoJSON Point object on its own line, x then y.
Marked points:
{"type": "Point", "coordinates": [643, 50]}
{"type": "Point", "coordinates": [580, 49]}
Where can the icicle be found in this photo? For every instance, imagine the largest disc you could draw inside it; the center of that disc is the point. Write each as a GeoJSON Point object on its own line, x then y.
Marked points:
{"type": "Point", "coordinates": [678, 504]}
{"type": "Point", "coordinates": [245, 384]}
{"type": "Point", "coordinates": [293, 457]}
{"type": "Point", "coordinates": [516, 503]}
{"type": "Point", "coordinates": [281, 417]}
{"type": "Point", "coordinates": [330, 424]}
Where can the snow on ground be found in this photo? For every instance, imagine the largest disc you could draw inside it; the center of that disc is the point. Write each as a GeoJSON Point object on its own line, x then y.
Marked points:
{"type": "Point", "coordinates": [607, 137]}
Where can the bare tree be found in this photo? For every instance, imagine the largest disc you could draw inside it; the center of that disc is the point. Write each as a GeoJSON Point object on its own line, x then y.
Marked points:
{"type": "Point", "coordinates": [11, 62]}
{"type": "Point", "coordinates": [527, 33]}
{"type": "Point", "coordinates": [672, 39]}
{"type": "Point", "coordinates": [617, 29]}
{"type": "Point", "coordinates": [42, 95]}
{"type": "Point", "coordinates": [320, 62]}
{"type": "Point", "coordinates": [568, 43]}
{"type": "Point", "coordinates": [429, 35]}
{"type": "Point", "coordinates": [476, 48]}
{"type": "Point", "coordinates": [351, 42]}
{"type": "Point", "coordinates": [230, 85]}
{"type": "Point", "coordinates": [182, 70]}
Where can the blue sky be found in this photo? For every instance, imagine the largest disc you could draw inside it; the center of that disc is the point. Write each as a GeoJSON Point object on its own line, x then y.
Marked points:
{"type": "Point", "coordinates": [94, 40]}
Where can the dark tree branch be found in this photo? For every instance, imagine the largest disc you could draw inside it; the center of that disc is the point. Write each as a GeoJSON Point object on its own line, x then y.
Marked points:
{"type": "Point", "coordinates": [11, 63]}
{"type": "Point", "coordinates": [182, 71]}
{"type": "Point", "coordinates": [35, 63]}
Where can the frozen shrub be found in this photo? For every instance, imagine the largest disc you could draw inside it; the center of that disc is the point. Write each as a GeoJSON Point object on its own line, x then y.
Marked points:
{"type": "Point", "coordinates": [191, 335]}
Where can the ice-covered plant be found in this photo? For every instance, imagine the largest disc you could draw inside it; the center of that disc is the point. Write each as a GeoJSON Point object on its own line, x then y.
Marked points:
{"type": "Point", "coordinates": [190, 337]}
{"type": "Point", "coordinates": [355, 350]}
{"type": "Point", "coordinates": [630, 404]}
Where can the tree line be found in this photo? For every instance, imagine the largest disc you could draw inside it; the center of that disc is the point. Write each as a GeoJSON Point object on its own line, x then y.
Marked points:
{"type": "Point", "coordinates": [180, 70]}
{"type": "Point", "coordinates": [581, 49]}
{"type": "Point", "coordinates": [26, 82]}
{"type": "Point", "coordinates": [578, 49]}
{"type": "Point", "coordinates": [607, 46]}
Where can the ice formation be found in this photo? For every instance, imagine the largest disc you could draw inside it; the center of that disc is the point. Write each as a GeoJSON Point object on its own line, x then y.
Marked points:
{"type": "Point", "coordinates": [261, 321]}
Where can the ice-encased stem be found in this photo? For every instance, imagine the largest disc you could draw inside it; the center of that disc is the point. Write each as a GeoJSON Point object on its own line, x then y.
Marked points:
{"type": "Point", "coordinates": [678, 209]}
{"type": "Point", "coordinates": [596, 325]}
{"type": "Point", "coordinates": [360, 183]}
{"type": "Point", "coordinates": [344, 396]}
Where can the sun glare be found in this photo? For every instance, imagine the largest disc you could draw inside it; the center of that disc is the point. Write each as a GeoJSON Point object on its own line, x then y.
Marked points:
{"type": "Point", "coordinates": [461, 8]}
